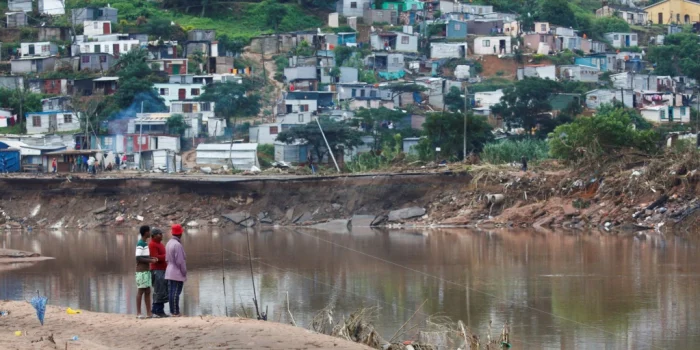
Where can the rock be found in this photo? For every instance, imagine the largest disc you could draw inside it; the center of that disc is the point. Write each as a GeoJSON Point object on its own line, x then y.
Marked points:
{"type": "Point", "coordinates": [254, 169]}
{"type": "Point", "coordinates": [290, 214]}
{"type": "Point", "coordinates": [206, 170]}
{"type": "Point", "coordinates": [457, 220]}
{"type": "Point", "coordinates": [240, 217]}
{"type": "Point", "coordinates": [336, 206]}
{"type": "Point", "coordinates": [119, 219]}
{"type": "Point", "coordinates": [405, 214]}
{"type": "Point", "coordinates": [379, 220]}
{"type": "Point", "coordinates": [569, 210]}
{"type": "Point", "coordinates": [192, 224]}
{"type": "Point", "coordinates": [335, 226]}
{"type": "Point", "coordinates": [362, 220]}
{"type": "Point", "coordinates": [249, 200]}
{"type": "Point", "coordinates": [266, 221]}
{"type": "Point", "coordinates": [303, 218]}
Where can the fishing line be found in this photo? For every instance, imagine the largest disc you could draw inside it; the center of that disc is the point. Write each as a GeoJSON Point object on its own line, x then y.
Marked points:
{"type": "Point", "coordinates": [467, 287]}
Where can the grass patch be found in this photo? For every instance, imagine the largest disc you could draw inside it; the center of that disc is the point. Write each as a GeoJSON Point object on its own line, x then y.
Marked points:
{"type": "Point", "coordinates": [15, 129]}
{"type": "Point", "coordinates": [240, 21]}
{"type": "Point", "coordinates": [509, 151]}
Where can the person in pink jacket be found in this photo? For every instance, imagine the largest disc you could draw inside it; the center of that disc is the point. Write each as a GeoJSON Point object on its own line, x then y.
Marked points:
{"type": "Point", "coordinates": [176, 272]}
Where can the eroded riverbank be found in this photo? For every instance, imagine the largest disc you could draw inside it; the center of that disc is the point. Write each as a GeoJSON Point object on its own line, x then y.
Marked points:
{"type": "Point", "coordinates": [483, 197]}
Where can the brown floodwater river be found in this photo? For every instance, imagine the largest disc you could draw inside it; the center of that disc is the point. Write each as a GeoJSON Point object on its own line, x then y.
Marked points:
{"type": "Point", "coordinates": [557, 291]}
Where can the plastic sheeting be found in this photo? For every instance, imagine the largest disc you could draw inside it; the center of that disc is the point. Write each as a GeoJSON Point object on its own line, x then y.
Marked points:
{"type": "Point", "coordinates": [392, 75]}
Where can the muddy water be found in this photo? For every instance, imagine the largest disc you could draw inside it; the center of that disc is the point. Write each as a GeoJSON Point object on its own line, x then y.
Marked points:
{"type": "Point", "coordinates": [556, 290]}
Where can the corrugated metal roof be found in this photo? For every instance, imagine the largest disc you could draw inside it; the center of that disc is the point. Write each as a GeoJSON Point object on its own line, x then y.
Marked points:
{"type": "Point", "coordinates": [227, 147]}
{"type": "Point", "coordinates": [106, 79]}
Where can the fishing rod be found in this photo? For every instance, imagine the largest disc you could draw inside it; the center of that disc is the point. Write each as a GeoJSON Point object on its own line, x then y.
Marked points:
{"type": "Point", "coordinates": [252, 278]}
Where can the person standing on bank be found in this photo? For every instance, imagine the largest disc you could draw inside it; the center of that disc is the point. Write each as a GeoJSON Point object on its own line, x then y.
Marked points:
{"type": "Point", "coordinates": [176, 272]}
{"type": "Point", "coordinates": [160, 285]}
{"type": "Point", "coordinates": [143, 273]}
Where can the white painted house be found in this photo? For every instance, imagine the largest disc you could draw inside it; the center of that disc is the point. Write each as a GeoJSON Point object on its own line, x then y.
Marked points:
{"type": "Point", "coordinates": [178, 92]}
{"type": "Point", "coordinates": [51, 122]}
{"type": "Point", "coordinates": [351, 8]}
{"type": "Point", "coordinates": [666, 114]}
{"type": "Point", "coordinates": [243, 156]}
{"type": "Point", "coordinates": [580, 73]}
{"type": "Point", "coordinates": [448, 50]}
{"type": "Point", "coordinates": [51, 7]}
{"type": "Point", "coordinates": [621, 40]}
{"type": "Point", "coordinates": [492, 45]}
{"type": "Point", "coordinates": [543, 71]}
{"type": "Point", "coordinates": [598, 97]}
{"type": "Point", "coordinates": [38, 49]}
{"type": "Point", "coordinates": [94, 28]}
{"type": "Point", "coordinates": [114, 48]}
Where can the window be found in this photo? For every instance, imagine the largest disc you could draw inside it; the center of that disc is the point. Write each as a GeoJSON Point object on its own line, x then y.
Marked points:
{"type": "Point", "coordinates": [183, 79]}
{"type": "Point", "coordinates": [187, 108]}
{"type": "Point", "coordinates": [414, 7]}
{"type": "Point", "coordinates": [543, 27]}
{"type": "Point", "coordinates": [458, 26]}
{"type": "Point", "coordinates": [103, 58]}
{"type": "Point", "coordinates": [194, 92]}
{"type": "Point", "coordinates": [404, 40]}
{"type": "Point", "coordinates": [353, 5]}
{"type": "Point", "coordinates": [616, 37]}
{"type": "Point", "coordinates": [98, 48]}
{"type": "Point", "coordinates": [373, 93]}
{"type": "Point", "coordinates": [164, 92]}
{"type": "Point", "coordinates": [682, 111]}
{"type": "Point", "coordinates": [106, 48]}
{"type": "Point", "coordinates": [541, 38]}
{"type": "Point", "coordinates": [36, 121]}
{"type": "Point", "coordinates": [125, 48]}
{"type": "Point", "coordinates": [481, 10]}
{"type": "Point", "coordinates": [205, 106]}
{"type": "Point", "coordinates": [678, 17]}
{"type": "Point", "coordinates": [634, 37]}
{"type": "Point", "coordinates": [303, 108]}
{"type": "Point", "coordinates": [486, 43]}
{"type": "Point", "coordinates": [45, 48]}
{"type": "Point", "coordinates": [663, 114]}
{"type": "Point", "coordinates": [134, 46]}
{"type": "Point", "coordinates": [274, 130]}
{"type": "Point", "coordinates": [86, 59]}
{"type": "Point", "coordinates": [301, 118]}
{"type": "Point", "coordinates": [67, 118]}
{"type": "Point", "coordinates": [107, 141]}
{"type": "Point", "coordinates": [380, 14]}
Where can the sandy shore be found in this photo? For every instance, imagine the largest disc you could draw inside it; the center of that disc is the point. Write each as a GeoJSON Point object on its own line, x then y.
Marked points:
{"type": "Point", "coordinates": [115, 331]}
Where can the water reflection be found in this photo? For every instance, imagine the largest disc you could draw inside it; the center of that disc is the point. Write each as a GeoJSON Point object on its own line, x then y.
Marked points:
{"type": "Point", "coordinates": [557, 291]}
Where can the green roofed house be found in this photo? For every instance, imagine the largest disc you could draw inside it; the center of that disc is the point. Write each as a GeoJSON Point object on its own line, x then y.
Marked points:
{"type": "Point", "coordinates": [407, 5]}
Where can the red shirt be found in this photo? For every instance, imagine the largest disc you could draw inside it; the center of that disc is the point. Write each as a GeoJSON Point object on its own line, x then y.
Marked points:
{"type": "Point", "coordinates": [157, 250]}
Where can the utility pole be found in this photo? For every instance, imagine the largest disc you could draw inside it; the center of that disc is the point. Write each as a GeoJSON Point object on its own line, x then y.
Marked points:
{"type": "Point", "coordinates": [140, 138]}
{"type": "Point", "coordinates": [330, 151]}
{"type": "Point", "coordinates": [466, 98]}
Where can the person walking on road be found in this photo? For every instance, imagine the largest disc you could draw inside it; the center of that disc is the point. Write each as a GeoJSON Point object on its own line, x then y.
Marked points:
{"type": "Point", "coordinates": [176, 272]}
{"type": "Point", "coordinates": [160, 286]}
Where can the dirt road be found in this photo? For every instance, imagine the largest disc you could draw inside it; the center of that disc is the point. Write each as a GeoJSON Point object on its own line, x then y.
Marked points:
{"type": "Point", "coordinates": [112, 331]}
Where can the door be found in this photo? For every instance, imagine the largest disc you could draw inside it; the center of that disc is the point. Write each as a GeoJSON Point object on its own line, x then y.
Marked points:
{"type": "Point", "coordinates": [176, 69]}
{"type": "Point", "coordinates": [670, 114]}
{"type": "Point", "coordinates": [115, 50]}
{"type": "Point", "coordinates": [39, 66]}
{"type": "Point", "coordinates": [31, 50]}
{"type": "Point", "coordinates": [661, 18]}
{"type": "Point", "coordinates": [502, 46]}
{"type": "Point", "coordinates": [627, 40]}
{"type": "Point", "coordinates": [53, 123]}
{"type": "Point", "coordinates": [107, 28]}
{"type": "Point", "coordinates": [181, 94]}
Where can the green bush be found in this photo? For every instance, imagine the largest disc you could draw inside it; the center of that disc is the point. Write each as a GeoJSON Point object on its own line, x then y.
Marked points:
{"type": "Point", "coordinates": [605, 133]}
{"type": "Point", "coordinates": [509, 151]}
{"type": "Point", "coordinates": [266, 155]}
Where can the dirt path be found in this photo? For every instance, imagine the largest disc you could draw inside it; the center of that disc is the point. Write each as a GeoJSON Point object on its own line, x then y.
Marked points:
{"type": "Point", "coordinates": [112, 331]}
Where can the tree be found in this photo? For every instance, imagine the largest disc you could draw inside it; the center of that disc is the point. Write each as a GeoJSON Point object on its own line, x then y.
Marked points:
{"type": "Point", "coordinates": [589, 138]}
{"type": "Point", "coordinates": [677, 56]}
{"type": "Point", "coordinates": [176, 124]}
{"type": "Point", "coordinates": [342, 54]}
{"type": "Point", "coordinates": [159, 27]}
{"type": "Point", "coordinates": [444, 130]}
{"type": "Point", "coordinates": [523, 103]}
{"type": "Point", "coordinates": [454, 99]}
{"type": "Point", "coordinates": [340, 136]}
{"type": "Point", "coordinates": [401, 88]}
{"type": "Point", "coordinates": [135, 91]}
{"type": "Point", "coordinates": [274, 13]}
{"type": "Point", "coordinates": [372, 120]}
{"type": "Point", "coordinates": [233, 99]}
{"type": "Point", "coordinates": [90, 111]}
{"type": "Point", "coordinates": [557, 12]}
